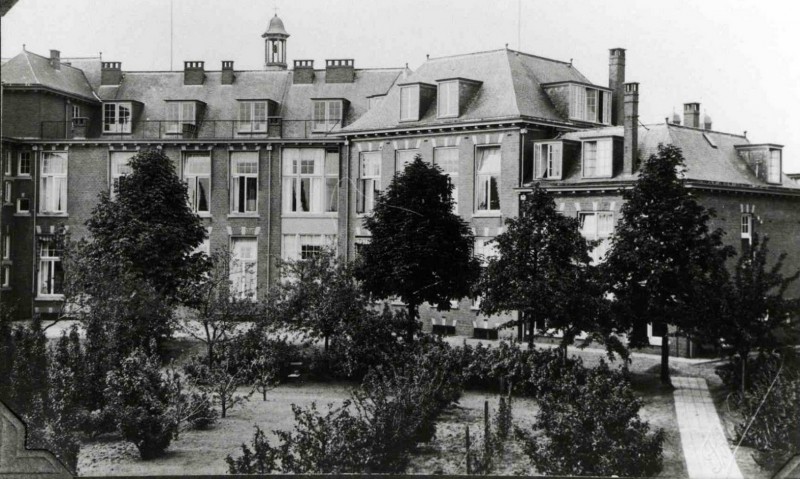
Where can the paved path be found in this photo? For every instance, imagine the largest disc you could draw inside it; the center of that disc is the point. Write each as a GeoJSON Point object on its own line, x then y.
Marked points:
{"type": "Point", "coordinates": [705, 449]}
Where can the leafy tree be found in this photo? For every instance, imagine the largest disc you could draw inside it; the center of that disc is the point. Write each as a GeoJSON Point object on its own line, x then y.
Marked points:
{"type": "Point", "coordinates": [543, 269]}
{"type": "Point", "coordinates": [222, 380]}
{"type": "Point", "coordinates": [29, 382]}
{"type": "Point", "coordinates": [420, 251]}
{"type": "Point", "coordinates": [664, 264]}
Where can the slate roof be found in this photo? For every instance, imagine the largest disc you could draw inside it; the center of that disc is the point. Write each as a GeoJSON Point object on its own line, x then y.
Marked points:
{"type": "Point", "coordinates": [510, 89]}
{"type": "Point", "coordinates": [703, 161]}
{"type": "Point", "coordinates": [29, 70]}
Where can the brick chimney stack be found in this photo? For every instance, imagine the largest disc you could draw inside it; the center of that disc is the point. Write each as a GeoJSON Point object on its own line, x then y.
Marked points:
{"type": "Point", "coordinates": [340, 71]}
{"type": "Point", "coordinates": [55, 59]}
{"type": "Point", "coordinates": [303, 72]}
{"type": "Point", "coordinates": [193, 73]}
{"type": "Point", "coordinates": [631, 125]}
{"type": "Point", "coordinates": [110, 73]}
{"type": "Point", "coordinates": [227, 73]}
{"type": "Point", "coordinates": [616, 80]}
{"type": "Point", "coordinates": [691, 115]}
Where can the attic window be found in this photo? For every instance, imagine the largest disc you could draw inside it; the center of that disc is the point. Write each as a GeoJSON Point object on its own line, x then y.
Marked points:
{"type": "Point", "coordinates": [774, 167]}
{"type": "Point", "coordinates": [327, 114]}
{"type": "Point", "coordinates": [709, 140]}
{"type": "Point", "coordinates": [117, 117]}
{"type": "Point", "coordinates": [590, 104]}
{"type": "Point", "coordinates": [409, 103]}
{"type": "Point", "coordinates": [597, 159]}
{"type": "Point", "coordinates": [180, 113]}
{"type": "Point", "coordinates": [447, 99]}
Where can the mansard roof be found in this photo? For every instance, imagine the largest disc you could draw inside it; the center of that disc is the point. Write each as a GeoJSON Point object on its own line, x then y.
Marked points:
{"type": "Point", "coordinates": [31, 71]}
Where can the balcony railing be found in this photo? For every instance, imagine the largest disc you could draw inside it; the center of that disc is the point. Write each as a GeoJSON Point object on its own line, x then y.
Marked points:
{"type": "Point", "coordinates": [272, 128]}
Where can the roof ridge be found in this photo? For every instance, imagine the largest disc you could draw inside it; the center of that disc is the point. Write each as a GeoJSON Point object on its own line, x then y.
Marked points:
{"type": "Point", "coordinates": [466, 54]}
{"type": "Point", "coordinates": [48, 58]}
{"type": "Point", "coordinates": [539, 57]}
{"type": "Point", "coordinates": [670, 125]}
{"type": "Point", "coordinates": [33, 72]}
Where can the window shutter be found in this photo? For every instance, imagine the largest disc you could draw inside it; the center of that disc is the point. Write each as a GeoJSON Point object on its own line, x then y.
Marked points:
{"type": "Point", "coordinates": [607, 107]}
{"type": "Point", "coordinates": [538, 161]}
{"type": "Point", "coordinates": [556, 173]}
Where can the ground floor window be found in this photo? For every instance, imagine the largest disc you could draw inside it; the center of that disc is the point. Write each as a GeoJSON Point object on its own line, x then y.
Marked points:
{"type": "Point", "coordinates": [244, 268]}
{"type": "Point", "coordinates": [303, 246]}
{"type": "Point", "coordinates": [51, 272]}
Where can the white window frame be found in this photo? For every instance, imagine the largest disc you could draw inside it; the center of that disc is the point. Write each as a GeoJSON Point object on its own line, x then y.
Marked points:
{"type": "Point", "coordinates": [452, 173]}
{"type": "Point", "coordinates": [49, 261]}
{"type": "Point", "coordinates": [194, 181]}
{"type": "Point", "coordinates": [251, 118]}
{"type": "Point", "coordinates": [310, 174]}
{"type": "Point", "coordinates": [369, 183]}
{"type": "Point", "coordinates": [242, 176]}
{"type": "Point", "coordinates": [403, 158]}
{"type": "Point", "coordinates": [447, 99]}
{"type": "Point", "coordinates": [20, 210]}
{"type": "Point", "coordinates": [8, 192]}
{"type": "Point", "coordinates": [327, 115]}
{"type": "Point", "coordinates": [76, 111]}
{"type": "Point", "coordinates": [180, 113]}
{"type": "Point", "coordinates": [483, 181]}
{"type": "Point", "coordinates": [119, 170]}
{"type": "Point", "coordinates": [604, 224]}
{"type": "Point", "coordinates": [292, 247]}
{"type": "Point", "coordinates": [7, 164]}
{"type": "Point", "coordinates": [6, 276]}
{"type": "Point", "coordinates": [117, 117]}
{"type": "Point", "coordinates": [409, 103]}
{"type": "Point", "coordinates": [746, 228]}
{"type": "Point", "coordinates": [485, 249]}
{"type": "Point", "coordinates": [48, 203]}
{"type": "Point", "coordinates": [7, 246]}
{"type": "Point", "coordinates": [25, 158]}
{"type": "Point", "coordinates": [774, 166]}
{"type": "Point", "coordinates": [244, 270]}
{"type": "Point", "coordinates": [548, 161]}
{"type": "Point", "coordinates": [602, 164]}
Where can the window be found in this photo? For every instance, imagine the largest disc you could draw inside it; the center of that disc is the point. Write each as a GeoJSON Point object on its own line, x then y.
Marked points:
{"type": "Point", "coordinates": [120, 169]}
{"type": "Point", "coordinates": [76, 111]}
{"type": "Point", "coordinates": [369, 183]}
{"type": "Point", "coordinates": [244, 268]}
{"type": "Point", "coordinates": [485, 249]}
{"type": "Point", "coordinates": [23, 206]}
{"type": "Point", "coordinates": [590, 104]}
{"type": "Point", "coordinates": [327, 114]}
{"type": "Point", "coordinates": [747, 229]}
{"type": "Point", "coordinates": [547, 160]}
{"type": "Point", "coordinates": [409, 103]}
{"type": "Point", "coordinates": [180, 113]}
{"type": "Point", "coordinates": [301, 246]}
{"type": "Point", "coordinates": [597, 159]}
{"type": "Point", "coordinates": [487, 176]}
{"type": "Point", "coordinates": [117, 118]}
{"type": "Point", "coordinates": [7, 192]}
{"type": "Point", "coordinates": [252, 116]}
{"type": "Point", "coordinates": [310, 180]}
{"type": "Point", "coordinates": [7, 164]}
{"type": "Point", "coordinates": [244, 182]}
{"type": "Point", "coordinates": [447, 99]}
{"type": "Point", "coordinates": [6, 276]}
{"type": "Point", "coordinates": [774, 167]}
{"type": "Point", "coordinates": [403, 158]}
{"type": "Point", "coordinates": [447, 159]}
{"type": "Point", "coordinates": [51, 273]}
{"type": "Point", "coordinates": [598, 225]}
{"type": "Point", "coordinates": [24, 164]}
{"type": "Point", "coordinates": [197, 175]}
{"type": "Point", "coordinates": [53, 188]}
{"type": "Point", "coordinates": [7, 246]}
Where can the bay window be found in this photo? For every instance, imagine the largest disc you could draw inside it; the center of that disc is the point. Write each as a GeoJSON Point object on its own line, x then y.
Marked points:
{"type": "Point", "coordinates": [447, 159]}
{"type": "Point", "coordinates": [310, 180]}
{"type": "Point", "coordinates": [244, 182]}
{"type": "Point", "coordinates": [197, 175]}
{"type": "Point", "coordinates": [369, 183]}
{"type": "Point", "coordinates": [597, 159]}
{"type": "Point", "coordinates": [117, 117]}
{"type": "Point", "coordinates": [487, 179]}
{"type": "Point", "coordinates": [244, 268]}
{"type": "Point", "coordinates": [51, 272]}
{"type": "Point", "coordinates": [53, 188]}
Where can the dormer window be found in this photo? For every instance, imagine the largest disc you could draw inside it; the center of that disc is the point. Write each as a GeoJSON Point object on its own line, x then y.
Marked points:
{"type": "Point", "coordinates": [327, 114]}
{"type": "Point", "coordinates": [409, 103]}
{"type": "Point", "coordinates": [252, 116]}
{"type": "Point", "coordinates": [580, 101]}
{"type": "Point", "coordinates": [774, 167]}
{"type": "Point", "coordinates": [597, 158]}
{"type": "Point", "coordinates": [117, 117]}
{"type": "Point", "coordinates": [180, 113]}
{"type": "Point", "coordinates": [764, 160]}
{"type": "Point", "coordinates": [447, 99]}
{"type": "Point", "coordinates": [547, 161]}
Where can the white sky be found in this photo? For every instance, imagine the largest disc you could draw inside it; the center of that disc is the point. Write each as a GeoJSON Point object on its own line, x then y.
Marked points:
{"type": "Point", "coordinates": [737, 58]}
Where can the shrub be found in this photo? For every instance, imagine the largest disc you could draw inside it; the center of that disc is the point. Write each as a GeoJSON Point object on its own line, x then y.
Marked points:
{"type": "Point", "coordinates": [139, 399]}
{"type": "Point", "coordinates": [489, 452]}
{"type": "Point", "coordinates": [588, 424]}
{"type": "Point", "coordinates": [222, 380]}
{"type": "Point", "coordinates": [369, 340]}
{"type": "Point", "coordinates": [260, 460]}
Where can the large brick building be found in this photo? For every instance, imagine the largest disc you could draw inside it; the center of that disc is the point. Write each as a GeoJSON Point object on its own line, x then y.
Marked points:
{"type": "Point", "coordinates": [281, 162]}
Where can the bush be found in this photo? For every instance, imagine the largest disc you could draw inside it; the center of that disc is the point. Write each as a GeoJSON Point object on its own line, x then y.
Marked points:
{"type": "Point", "coordinates": [139, 399]}
{"type": "Point", "coordinates": [588, 424]}
{"type": "Point", "coordinates": [260, 460]}
{"type": "Point", "coordinates": [222, 380]}
{"type": "Point", "coordinates": [368, 341]}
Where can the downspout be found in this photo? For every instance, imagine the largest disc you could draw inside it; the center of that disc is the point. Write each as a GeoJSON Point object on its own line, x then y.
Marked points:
{"type": "Point", "coordinates": [34, 209]}
{"type": "Point", "coordinates": [346, 184]}
{"type": "Point", "coordinates": [269, 213]}
{"type": "Point", "coordinates": [66, 119]}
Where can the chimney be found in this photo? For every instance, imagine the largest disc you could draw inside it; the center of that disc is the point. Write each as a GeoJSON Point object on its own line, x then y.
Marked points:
{"type": "Point", "coordinates": [616, 80]}
{"type": "Point", "coordinates": [193, 73]}
{"type": "Point", "coordinates": [339, 71]}
{"type": "Point", "coordinates": [304, 72]}
{"type": "Point", "coordinates": [110, 73]}
{"type": "Point", "coordinates": [55, 59]}
{"type": "Point", "coordinates": [706, 122]}
{"type": "Point", "coordinates": [691, 115]}
{"type": "Point", "coordinates": [227, 73]}
{"type": "Point", "coordinates": [631, 155]}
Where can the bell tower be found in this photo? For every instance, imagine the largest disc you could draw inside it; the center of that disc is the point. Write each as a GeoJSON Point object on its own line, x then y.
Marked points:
{"type": "Point", "coordinates": [275, 45]}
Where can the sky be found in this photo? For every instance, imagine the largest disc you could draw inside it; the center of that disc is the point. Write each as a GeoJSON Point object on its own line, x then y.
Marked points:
{"type": "Point", "coordinates": [738, 59]}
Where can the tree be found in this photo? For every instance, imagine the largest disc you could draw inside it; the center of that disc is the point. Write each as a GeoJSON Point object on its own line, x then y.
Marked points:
{"type": "Point", "coordinates": [420, 251]}
{"type": "Point", "coordinates": [664, 262]}
{"type": "Point", "coordinates": [543, 269]}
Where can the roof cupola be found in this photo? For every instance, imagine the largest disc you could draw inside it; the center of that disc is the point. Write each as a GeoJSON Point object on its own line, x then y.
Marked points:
{"type": "Point", "coordinates": [275, 45]}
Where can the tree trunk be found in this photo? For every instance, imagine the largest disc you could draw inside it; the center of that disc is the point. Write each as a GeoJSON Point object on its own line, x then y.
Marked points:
{"type": "Point", "coordinates": [665, 360]}
{"type": "Point", "coordinates": [531, 329]}
{"type": "Point", "coordinates": [744, 371]}
{"type": "Point", "coordinates": [326, 343]}
{"type": "Point", "coordinates": [210, 352]}
{"type": "Point", "coordinates": [412, 319]}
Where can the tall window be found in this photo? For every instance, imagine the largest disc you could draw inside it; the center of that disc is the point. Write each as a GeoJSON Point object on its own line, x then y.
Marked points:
{"type": "Point", "coordinates": [547, 159]}
{"type": "Point", "coordinates": [403, 158]}
{"type": "Point", "coordinates": [244, 268]}
{"type": "Point", "coordinates": [310, 180]}
{"type": "Point", "coordinates": [179, 113]}
{"type": "Point", "coordinates": [7, 164]}
{"type": "Point", "coordinates": [252, 116]}
{"type": "Point", "coordinates": [447, 99]}
{"type": "Point", "coordinates": [487, 178]}
{"type": "Point", "coordinates": [747, 229]}
{"type": "Point", "coordinates": [7, 246]}
{"type": "Point", "coordinates": [774, 167]}
{"type": "Point", "coordinates": [301, 246]}
{"type": "Point", "coordinates": [117, 118]}
{"type": "Point", "coordinates": [51, 272]}
{"type": "Point", "coordinates": [7, 192]}
{"type": "Point", "coordinates": [597, 159]}
{"type": "Point", "coordinates": [76, 111]}
{"type": "Point", "coordinates": [447, 159]}
{"type": "Point", "coordinates": [53, 189]}
{"type": "Point", "coordinates": [369, 183]}
{"type": "Point", "coordinates": [197, 175]}
{"type": "Point", "coordinates": [597, 225]}
{"type": "Point", "coordinates": [244, 182]}
{"type": "Point", "coordinates": [409, 103]}
{"type": "Point", "coordinates": [120, 169]}
{"type": "Point", "coordinates": [24, 164]}
{"type": "Point", "coordinates": [6, 276]}
{"type": "Point", "coordinates": [327, 115]}
{"type": "Point", "coordinates": [590, 104]}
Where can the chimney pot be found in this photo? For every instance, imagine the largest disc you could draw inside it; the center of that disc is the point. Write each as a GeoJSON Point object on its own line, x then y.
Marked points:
{"type": "Point", "coordinates": [193, 73]}
{"type": "Point", "coordinates": [691, 115]}
{"type": "Point", "coordinates": [631, 128]}
{"type": "Point", "coordinates": [227, 73]}
{"type": "Point", "coordinates": [55, 59]}
{"type": "Point", "coordinates": [303, 72]}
